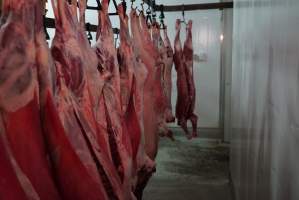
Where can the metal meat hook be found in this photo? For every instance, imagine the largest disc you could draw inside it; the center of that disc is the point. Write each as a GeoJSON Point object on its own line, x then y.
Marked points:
{"type": "Point", "coordinates": [99, 4]}
{"type": "Point", "coordinates": [142, 6]}
{"type": "Point", "coordinates": [89, 36]}
{"type": "Point", "coordinates": [183, 14]}
{"type": "Point", "coordinates": [116, 39]}
{"type": "Point", "coordinates": [132, 4]}
{"type": "Point", "coordinates": [162, 17]}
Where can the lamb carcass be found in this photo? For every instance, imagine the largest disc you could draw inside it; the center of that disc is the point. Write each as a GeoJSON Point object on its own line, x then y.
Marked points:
{"type": "Point", "coordinates": [19, 103]}
{"type": "Point", "coordinates": [161, 67]}
{"type": "Point", "coordinates": [146, 166]}
{"type": "Point", "coordinates": [150, 91]}
{"type": "Point", "coordinates": [76, 97]}
{"type": "Point", "coordinates": [150, 121]}
{"type": "Point", "coordinates": [119, 139]}
{"type": "Point", "coordinates": [128, 80]}
{"type": "Point", "coordinates": [188, 61]}
{"type": "Point", "coordinates": [167, 75]}
{"type": "Point", "coordinates": [185, 84]}
{"type": "Point", "coordinates": [133, 77]}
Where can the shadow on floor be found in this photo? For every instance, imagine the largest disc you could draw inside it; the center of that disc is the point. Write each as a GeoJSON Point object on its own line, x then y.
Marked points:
{"type": "Point", "coordinates": [190, 170]}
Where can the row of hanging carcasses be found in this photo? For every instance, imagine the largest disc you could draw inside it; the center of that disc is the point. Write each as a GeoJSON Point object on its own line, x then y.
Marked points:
{"type": "Point", "coordinates": [80, 122]}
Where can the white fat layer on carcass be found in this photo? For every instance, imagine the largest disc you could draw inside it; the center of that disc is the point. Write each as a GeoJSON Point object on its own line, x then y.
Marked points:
{"type": "Point", "coordinates": [46, 69]}
{"type": "Point", "coordinates": [71, 44]}
{"type": "Point", "coordinates": [21, 71]}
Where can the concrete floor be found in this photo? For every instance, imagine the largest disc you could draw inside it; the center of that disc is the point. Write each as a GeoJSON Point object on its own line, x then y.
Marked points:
{"type": "Point", "coordinates": [190, 170]}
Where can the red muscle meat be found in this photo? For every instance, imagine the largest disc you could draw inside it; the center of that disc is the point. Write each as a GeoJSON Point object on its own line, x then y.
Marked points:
{"type": "Point", "coordinates": [167, 75]}
{"type": "Point", "coordinates": [161, 98]}
{"type": "Point", "coordinates": [19, 102]}
{"type": "Point", "coordinates": [14, 184]}
{"type": "Point", "coordinates": [182, 88]}
{"type": "Point", "coordinates": [150, 120]}
{"type": "Point", "coordinates": [140, 68]}
{"type": "Point", "coordinates": [112, 118]}
{"type": "Point", "coordinates": [95, 85]}
{"type": "Point", "coordinates": [147, 56]}
{"type": "Point", "coordinates": [188, 61]}
{"type": "Point", "coordinates": [75, 99]}
{"type": "Point", "coordinates": [127, 78]}
{"type": "Point", "coordinates": [129, 73]}
{"type": "Point", "coordinates": [185, 84]}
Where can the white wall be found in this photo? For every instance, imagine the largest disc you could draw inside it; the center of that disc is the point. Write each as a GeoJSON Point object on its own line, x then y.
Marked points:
{"type": "Point", "coordinates": [265, 140]}
{"type": "Point", "coordinates": [206, 35]}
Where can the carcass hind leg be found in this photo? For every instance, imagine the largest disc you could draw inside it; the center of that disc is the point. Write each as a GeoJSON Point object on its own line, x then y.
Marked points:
{"type": "Point", "coordinates": [193, 120]}
{"type": "Point", "coordinates": [169, 116]}
{"type": "Point", "coordinates": [165, 132]}
{"type": "Point", "coordinates": [170, 135]}
{"type": "Point", "coordinates": [183, 124]}
{"type": "Point", "coordinates": [143, 179]}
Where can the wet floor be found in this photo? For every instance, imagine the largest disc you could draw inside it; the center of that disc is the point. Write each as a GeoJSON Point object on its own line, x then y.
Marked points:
{"type": "Point", "coordinates": [190, 170]}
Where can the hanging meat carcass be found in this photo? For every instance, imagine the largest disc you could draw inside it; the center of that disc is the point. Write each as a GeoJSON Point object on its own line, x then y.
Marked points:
{"type": "Point", "coordinates": [127, 80]}
{"type": "Point", "coordinates": [77, 94]}
{"type": "Point", "coordinates": [188, 61]}
{"type": "Point", "coordinates": [14, 184]}
{"type": "Point", "coordinates": [131, 82]}
{"type": "Point", "coordinates": [145, 165]}
{"type": "Point", "coordinates": [150, 112]}
{"type": "Point", "coordinates": [182, 103]}
{"type": "Point", "coordinates": [19, 105]}
{"type": "Point", "coordinates": [167, 75]}
{"type": "Point", "coordinates": [132, 79]}
{"type": "Point", "coordinates": [150, 121]}
{"type": "Point", "coordinates": [116, 128]}
{"type": "Point", "coordinates": [140, 69]}
{"type": "Point", "coordinates": [141, 74]}
{"type": "Point", "coordinates": [185, 84]}
{"type": "Point", "coordinates": [161, 67]}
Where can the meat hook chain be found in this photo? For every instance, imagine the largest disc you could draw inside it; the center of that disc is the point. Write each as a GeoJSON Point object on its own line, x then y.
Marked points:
{"type": "Point", "coordinates": [149, 20]}
{"type": "Point", "coordinates": [151, 14]}
{"type": "Point", "coordinates": [89, 36]}
{"type": "Point", "coordinates": [142, 6]}
{"type": "Point", "coordinates": [115, 6]}
{"type": "Point", "coordinates": [154, 14]}
{"type": "Point", "coordinates": [45, 28]}
{"type": "Point", "coordinates": [183, 14]}
{"type": "Point", "coordinates": [162, 17]}
{"type": "Point", "coordinates": [132, 4]}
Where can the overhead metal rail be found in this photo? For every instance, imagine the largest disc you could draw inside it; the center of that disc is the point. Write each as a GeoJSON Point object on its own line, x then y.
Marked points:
{"type": "Point", "coordinates": [191, 7]}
